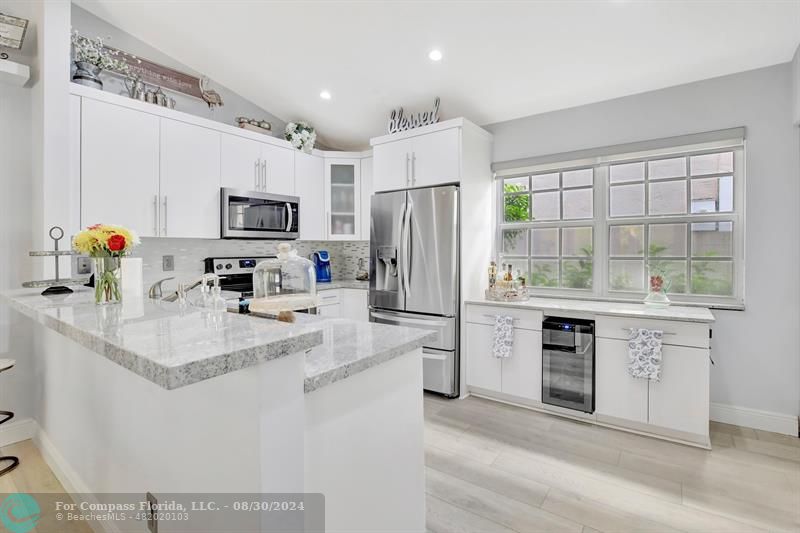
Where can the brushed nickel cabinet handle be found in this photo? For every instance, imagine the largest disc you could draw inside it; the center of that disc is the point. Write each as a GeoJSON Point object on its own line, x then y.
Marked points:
{"type": "Point", "coordinates": [155, 215]}
{"type": "Point", "coordinates": [165, 215]}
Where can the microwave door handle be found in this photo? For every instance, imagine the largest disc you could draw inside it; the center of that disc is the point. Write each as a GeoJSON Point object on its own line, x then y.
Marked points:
{"type": "Point", "coordinates": [290, 217]}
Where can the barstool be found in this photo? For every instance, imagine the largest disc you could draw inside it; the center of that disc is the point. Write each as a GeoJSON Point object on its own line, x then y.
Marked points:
{"type": "Point", "coordinates": [6, 364]}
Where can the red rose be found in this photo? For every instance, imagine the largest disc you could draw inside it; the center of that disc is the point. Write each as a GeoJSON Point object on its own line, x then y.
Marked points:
{"type": "Point", "coordinates": [116, 243]}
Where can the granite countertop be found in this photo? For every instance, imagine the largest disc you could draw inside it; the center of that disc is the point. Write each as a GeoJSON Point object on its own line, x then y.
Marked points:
{"type": "Point", "coordinates": [343, 284]}
{"type": "Point", "coordinates": [621, 309]}
{"type": "Point", "coordinates": [352, 346]}
{"type": "Point", "coordinates": [166, 343]}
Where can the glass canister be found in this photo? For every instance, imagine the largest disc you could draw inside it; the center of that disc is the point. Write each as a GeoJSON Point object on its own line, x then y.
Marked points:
{"type": "Point", "coordinates": [286, 276]}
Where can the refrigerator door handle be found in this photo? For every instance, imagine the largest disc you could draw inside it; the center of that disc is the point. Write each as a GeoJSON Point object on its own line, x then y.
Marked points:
{"type": "Point", "coordinates": [412, 321]}
{"type": "Point", "coordinates": [400, 250]}
{"type": "Point", "coordinates": [406, 244]}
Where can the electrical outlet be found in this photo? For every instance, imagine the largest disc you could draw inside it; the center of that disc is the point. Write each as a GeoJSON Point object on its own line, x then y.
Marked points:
{"type": "Point", "coordinates": [83, 265]}
{"type": "Point", "coordinates": [152, 510]}
{"type": "Point", "coordinates": [167, 263]}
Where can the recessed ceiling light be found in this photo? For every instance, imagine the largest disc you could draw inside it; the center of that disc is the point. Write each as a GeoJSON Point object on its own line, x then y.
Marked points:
{"type": "Point", "coordinates": [325, 95]}
{"type": "Point", "coordinates": [435, 55]}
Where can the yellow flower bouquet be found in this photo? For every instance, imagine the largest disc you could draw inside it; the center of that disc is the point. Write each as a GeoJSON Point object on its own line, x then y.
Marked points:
{"type": "Point", "coordinates": [107, 245]}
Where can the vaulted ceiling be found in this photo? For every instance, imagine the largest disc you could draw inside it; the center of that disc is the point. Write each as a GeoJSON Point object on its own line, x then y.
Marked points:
{"type": "Point", "coordinates": [501, 60]}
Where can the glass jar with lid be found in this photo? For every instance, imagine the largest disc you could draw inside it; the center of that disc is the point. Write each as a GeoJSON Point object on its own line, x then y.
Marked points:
{"type": "Point", "coordinates": [286, 283]}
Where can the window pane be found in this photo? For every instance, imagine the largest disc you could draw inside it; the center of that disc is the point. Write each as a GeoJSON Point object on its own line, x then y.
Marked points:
{"type": "Point", "coordinates": [712, 163]}
{"type": "Point", "coordinates": [515, 241]}
{"type": "Point", "coordinates": [517, 207]}
{"type": "Point", "coordinates": [626, 275]}
{"type": "Point", "coordinates": [518, 267]}
{"type": "Point", "coordinates": [515, 184]}
{"type": "Point", "coordinates": [546, 206]}
{"type": "Point", "coordinates": [668, 197]}
{"type": "Point", "coordinates": [666, 168]}
{"type": "Point", "coordinates": [712, 195]}
{"type": "Point", "coordinates": [672, 272]}
{"type": "Point", "coordinates": [626, 241]}
{"type": "Point", "coordinates": [712, 277]}
{"type": "Point", "coordinates": [578, 178]}
{"type": "Point", "coordinates": [667, 240]}
{"type": "Point", "coordinates": [545, 242]}
{"type": "Point", "coordinates": [544, 274]}
{"type": "Point", "coordinates": [576, 273]}
{"type": "Point", "coordinates": [627, 200]}
{"type": "Point", "coordinates": [578, 203]}
{"type": "Point", "coordinates": [712, 239]}
{"type": "Point", "coordinates": [627, 172]}
{"type": "Point", "coordinates": [545, 181]}
{"type": "Point", "coordinates": [576, 242]}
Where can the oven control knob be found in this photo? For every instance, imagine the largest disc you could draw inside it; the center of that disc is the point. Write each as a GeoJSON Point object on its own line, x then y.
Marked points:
{"type": "Point", "coordinates": [228, 266]}
{"type": "Point", "coordinates": [219, 267]}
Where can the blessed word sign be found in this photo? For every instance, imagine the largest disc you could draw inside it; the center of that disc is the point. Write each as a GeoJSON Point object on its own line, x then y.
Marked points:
{"type": "Point", "coordinates": [398, 121]}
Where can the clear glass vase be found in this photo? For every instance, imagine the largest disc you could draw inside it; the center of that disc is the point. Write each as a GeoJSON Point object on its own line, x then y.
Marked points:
{"type": "Point", "coordinates": [107, 280]}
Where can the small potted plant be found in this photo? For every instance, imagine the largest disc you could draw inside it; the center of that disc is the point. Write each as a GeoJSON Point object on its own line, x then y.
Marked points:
{"type": "Point", "coordinates": [301, 135]}
{"type": "Point", "coordinates": [657, 294]}
{"type": "Point", "coordinates": [91, 58]}
{"type": "Point", "coordinates": [107, 245]}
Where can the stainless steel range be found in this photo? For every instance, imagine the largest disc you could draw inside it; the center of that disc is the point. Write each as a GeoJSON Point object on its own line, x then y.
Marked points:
{"type": "Point", "coordinates": [235, 273]}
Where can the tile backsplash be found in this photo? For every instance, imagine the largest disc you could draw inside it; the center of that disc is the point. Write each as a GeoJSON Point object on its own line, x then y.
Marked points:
{"type": "Point", "coordinates": [190, 253]}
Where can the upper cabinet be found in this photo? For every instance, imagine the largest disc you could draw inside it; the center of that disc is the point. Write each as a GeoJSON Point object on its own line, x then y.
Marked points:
{"type": "Point", "coordinates": [119, 167]}
{"type": "Point", "coordinates": [255, 166]}
{"type": "Point", "coordinates": [366, 195]}
{"type": "Point", "coordinates": [190, 180]}
{"type": "Point", "coordinates": [343, 198]}
{"type": "Point", "coordinates": [309, 174]}
{"type": "Point", "coordinates": [420, 160]}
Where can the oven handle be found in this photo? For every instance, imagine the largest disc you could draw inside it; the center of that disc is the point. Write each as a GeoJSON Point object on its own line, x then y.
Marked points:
{"type": "Point", "coordinates": [290, 217]}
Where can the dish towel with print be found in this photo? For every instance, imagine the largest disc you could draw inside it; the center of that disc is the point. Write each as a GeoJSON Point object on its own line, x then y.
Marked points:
{"type": "Point", "coordinates": [644, 353]}
{"type": "Point", "coordinates": [503, 336]}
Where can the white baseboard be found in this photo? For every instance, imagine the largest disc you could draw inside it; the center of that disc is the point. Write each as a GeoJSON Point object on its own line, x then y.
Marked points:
{"type": "Point", "coordinates": [17, 431]}
{"type": "Point", "coordinates": [754, 418]}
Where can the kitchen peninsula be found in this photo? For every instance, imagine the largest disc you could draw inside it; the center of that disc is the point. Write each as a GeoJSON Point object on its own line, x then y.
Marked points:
{"type": "Point", "coordinates": [250, 405]}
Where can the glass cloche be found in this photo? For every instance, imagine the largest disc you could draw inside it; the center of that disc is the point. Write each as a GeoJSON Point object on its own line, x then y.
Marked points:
{"type": "Point", "coordinates": [285, 283]}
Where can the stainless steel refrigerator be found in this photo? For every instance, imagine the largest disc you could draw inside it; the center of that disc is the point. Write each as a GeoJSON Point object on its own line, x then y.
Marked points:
{"type": "Point", "coordinates": [414, 273]}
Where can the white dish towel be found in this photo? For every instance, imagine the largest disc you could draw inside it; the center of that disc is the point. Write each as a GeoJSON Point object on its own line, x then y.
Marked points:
{"type": "Point", "coordinates": [644, 353]}
{"type": "Point", "coordinates": [503, 336]}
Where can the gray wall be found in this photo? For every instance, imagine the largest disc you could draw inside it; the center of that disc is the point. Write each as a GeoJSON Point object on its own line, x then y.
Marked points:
{"type": "Point", "coordinates": [91, 26]}
{"type": "Point", "coordinates": [796, 85]}
{"type": "Point", "coordinates": [756, 350]}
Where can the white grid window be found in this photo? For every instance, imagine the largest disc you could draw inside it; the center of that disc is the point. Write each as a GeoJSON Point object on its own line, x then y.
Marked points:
{"type": "Point", "coordinates": [600, 228]}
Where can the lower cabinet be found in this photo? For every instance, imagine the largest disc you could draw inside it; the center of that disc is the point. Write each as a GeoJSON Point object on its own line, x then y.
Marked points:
{"type": "Point", "coordinates": [344, 303]}
{"type": "Point", "coordinates": [330, 310]}
{"type": "Point", "coordinates": [519, 375]}
{"type": "Point", "coordinates": [617, 393]}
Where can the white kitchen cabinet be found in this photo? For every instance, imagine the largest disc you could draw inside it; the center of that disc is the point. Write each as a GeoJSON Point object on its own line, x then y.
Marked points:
{"type": "Point", "coordinates": [355, 305]}
{"type": "Point", "coordinates": [435, 158]}
{"type": "Point", "coordinates": [617, 393]}
{"type": "Point", "coordinates": [240, 163]}
{"type": "Point", "coordinates": [190, 181]}
{"type": "Point", "coordinates": [330, 311]}
{"type": "Point", "coordinates": [483, 369]}
{"type": "Point", "coordinates": [680, 401]}
{"type": "Point", "coordinates": [392, 165]}
{"type": "Point", "coordinates": [278, 169]}
{"type": "Point", "coordinates": [342, 198]}
{"type": "Point", "coordinates": [366, 196]}
{"type": "Point", "coordinates": [119, 167]}
{"type": "Point", "coordinates": [309, 173]}
{"type": "Point", "coordinates": [522, 372]}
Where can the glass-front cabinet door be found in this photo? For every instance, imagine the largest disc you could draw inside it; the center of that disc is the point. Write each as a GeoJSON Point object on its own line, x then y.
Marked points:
{"type": "Point", "coordinates": [342, 198]}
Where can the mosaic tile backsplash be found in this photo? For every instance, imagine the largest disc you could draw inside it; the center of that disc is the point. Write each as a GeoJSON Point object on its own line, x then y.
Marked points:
{"type": "Point", "coordinates": [190, 253]}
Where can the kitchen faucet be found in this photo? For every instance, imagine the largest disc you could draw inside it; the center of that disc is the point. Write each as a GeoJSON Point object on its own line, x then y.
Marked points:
{"type": "Point", "coordinates": [156, 291]}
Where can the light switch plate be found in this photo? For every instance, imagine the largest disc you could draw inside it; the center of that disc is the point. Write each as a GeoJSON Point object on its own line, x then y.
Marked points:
{"type": "Point", "coordinates": [167, 263]}
{"type": "Point", "coordinates": [83, 266]}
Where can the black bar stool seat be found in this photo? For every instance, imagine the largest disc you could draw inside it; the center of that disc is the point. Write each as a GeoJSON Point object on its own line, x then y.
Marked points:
{"type": "Point", "coordinates": [12, 462]}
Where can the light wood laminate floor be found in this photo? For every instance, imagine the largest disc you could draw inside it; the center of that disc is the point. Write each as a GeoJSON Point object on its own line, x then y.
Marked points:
{"type": "Point", "coordinates": [497, 468]}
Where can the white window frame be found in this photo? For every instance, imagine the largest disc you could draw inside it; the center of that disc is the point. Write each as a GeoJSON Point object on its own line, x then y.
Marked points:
{"type": "Point", "coordinates": [602, 221]}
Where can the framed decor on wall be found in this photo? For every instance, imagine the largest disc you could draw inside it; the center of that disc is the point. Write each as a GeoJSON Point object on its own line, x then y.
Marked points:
{"type": "Point", "coordinates": [12, 31]}
{"type": "Point", "coordinates": [159, 75]}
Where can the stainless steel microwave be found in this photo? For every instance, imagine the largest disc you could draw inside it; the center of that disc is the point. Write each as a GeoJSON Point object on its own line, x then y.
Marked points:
{"type": "Point", "coordinates": [258, 215]}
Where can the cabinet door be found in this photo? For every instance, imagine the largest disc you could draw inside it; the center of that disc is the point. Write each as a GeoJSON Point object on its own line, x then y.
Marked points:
{"type": "Point", "coordinates": [366, 195]}
{"type": "Point", "coordinates": [278, 171]}
{"type": "Point", "coordinates": [391, 164]}
{"type": "Point", "coordinates": [522, 372]}
{"type": "Point", "coordinates": [483, 369]}
{"type": "Point", "coordinates": [354, 304]}
{"type": "Point", "coordinates": [617, 393]}
{"type": "Point", "coordinates": [342, 198]}
{"type": "Point", "coordinates": [119, 167]}
{"type": "Point", "coordinates": [681, 399]}
{"type": "Point", "coordinates": [330, 311]}
{"type": "Point", "coordinates": [309, 177]}
{"type": "Point", "coordinates": [190, 181]}
{"type": "Point", "coordinates": [240, 163]}
{"type": "Point", "coordinates": [436, 158]}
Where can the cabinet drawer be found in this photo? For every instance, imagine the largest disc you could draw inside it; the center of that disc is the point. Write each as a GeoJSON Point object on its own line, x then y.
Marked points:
{"type": "Point", "coordinates": [675, 333]}
{"type": "Point", "coordinates": [329, 296]}
{"type": "Point", "coordinates": [523, 318]}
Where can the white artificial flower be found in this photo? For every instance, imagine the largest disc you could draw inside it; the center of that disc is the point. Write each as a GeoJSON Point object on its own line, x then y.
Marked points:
{"type": "Point", "coordinates": [290, 127]}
